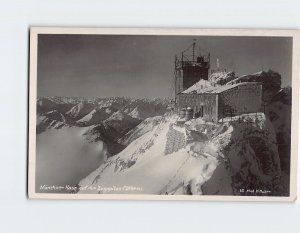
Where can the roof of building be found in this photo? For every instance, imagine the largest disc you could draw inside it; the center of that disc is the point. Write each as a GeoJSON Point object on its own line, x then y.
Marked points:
{"type": "Point", "coordinates": [216, 89]}
{"type": "Point", "coordinates": [202, 84]}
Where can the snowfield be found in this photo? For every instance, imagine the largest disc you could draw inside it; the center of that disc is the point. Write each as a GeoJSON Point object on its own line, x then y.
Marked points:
{"type": "Point", "coordinates": [145, 165]}
{"type": "Point", "coordinates": [219, 162]}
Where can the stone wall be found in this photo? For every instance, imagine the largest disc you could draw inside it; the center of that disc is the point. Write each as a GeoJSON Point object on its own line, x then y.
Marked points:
{"type": "Point", "coordinates": [239, 100]}
{"type": "Point", "coordinates": [270, 80]}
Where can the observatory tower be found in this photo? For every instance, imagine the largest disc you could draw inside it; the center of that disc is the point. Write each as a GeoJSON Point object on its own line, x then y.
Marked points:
{"type": "Point", "coordinates": [190, 68]}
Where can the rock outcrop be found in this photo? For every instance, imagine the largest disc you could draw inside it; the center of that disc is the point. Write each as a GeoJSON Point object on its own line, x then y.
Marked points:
{"type": "Point", "coordinates": [222, 77]}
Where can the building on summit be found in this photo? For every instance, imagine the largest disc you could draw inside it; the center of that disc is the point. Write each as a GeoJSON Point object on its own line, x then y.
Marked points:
{"type": "Point", "coordinates": [214, 103]}
{"type": "Point", "coordinates": [207, 99]}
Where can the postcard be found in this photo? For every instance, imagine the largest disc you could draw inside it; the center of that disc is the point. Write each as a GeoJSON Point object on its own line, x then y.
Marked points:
{"type": "Point", "coordinates": [163, 114]}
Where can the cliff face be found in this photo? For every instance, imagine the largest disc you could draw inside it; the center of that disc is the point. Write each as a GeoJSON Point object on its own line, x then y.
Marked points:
{"type": "Point", "coordinates": [251, 163]}
{"type": "Point", "coordinates": [279, 113]}
{"type": "Point", "coordinates": [277, 107]}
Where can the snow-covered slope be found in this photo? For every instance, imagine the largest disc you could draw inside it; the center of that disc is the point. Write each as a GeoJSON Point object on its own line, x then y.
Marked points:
{"type": "Point", "coordinates": [62, 104]}
{"type": "Point", "coordinates": [143, 165]}
{"type": "Point", "coordinates": [142, 109]}
{"type": "Point", "coordinates": [94, 117]}
{"type": "Point", "coordinates": [74, 135]}
{"type": "Point", "coordinates": [121, 122]}
{"type": "Point", "coordinates": [193, 159]}
{"type": "Point", "coordinates": [80, 110]}
{"type": "Point", "coordinates": [141, 129]}
{"type": "Point", "coordinates": [50, 120]}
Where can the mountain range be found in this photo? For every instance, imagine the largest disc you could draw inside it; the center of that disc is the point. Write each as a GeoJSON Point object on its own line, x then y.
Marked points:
{"type": "Point", "coordinates": [138, 143]}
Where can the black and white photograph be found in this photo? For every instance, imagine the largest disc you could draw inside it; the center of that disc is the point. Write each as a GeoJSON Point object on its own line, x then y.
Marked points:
{"type": "Point", "coordinates": [150, 116]}
{"type": "Point", "coordinates": [172, 115]}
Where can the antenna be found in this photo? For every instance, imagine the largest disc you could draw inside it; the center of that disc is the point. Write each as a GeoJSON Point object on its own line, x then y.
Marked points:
{"type": "Point", "coordinates": [218, 63]}
{"type": "Point", "coordinates": [194, 45]}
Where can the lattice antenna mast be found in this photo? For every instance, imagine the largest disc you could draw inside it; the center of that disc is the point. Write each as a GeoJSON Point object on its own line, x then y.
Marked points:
{"type": "Point", "coordinates": [194, 46]}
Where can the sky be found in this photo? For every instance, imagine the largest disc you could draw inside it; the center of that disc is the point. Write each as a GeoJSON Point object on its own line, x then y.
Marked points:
{"type": "Point", "coordinates": [141, 66]}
